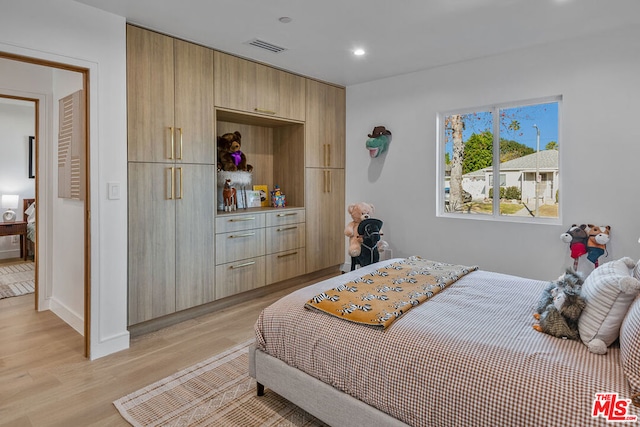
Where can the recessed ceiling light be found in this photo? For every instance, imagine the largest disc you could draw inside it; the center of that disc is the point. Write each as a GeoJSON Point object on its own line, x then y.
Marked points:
{"type": "Point", "coordinates": [359, 52]}
{"type": "Point", "coordinates": [285, 19]}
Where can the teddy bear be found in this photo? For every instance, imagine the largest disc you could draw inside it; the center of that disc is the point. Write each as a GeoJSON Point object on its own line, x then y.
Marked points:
{"type": "Point", "coordinates": [359, 212]}
{"type": "Point", "coordinates": [560, 316]}
{"type": "Point", "coordinates": [230, 158]}
{"type": "Point", "coordinates": [597, 242]}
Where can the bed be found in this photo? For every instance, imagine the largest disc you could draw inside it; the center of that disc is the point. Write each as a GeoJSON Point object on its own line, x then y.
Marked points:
{"type": "Point", "coordinates": [467, 356]}
{"type": "Point", "coordinates": [29, 216]}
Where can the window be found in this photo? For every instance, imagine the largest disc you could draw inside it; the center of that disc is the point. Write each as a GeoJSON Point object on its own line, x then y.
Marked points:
{"type": "Point", "coordinates": [517, 142]}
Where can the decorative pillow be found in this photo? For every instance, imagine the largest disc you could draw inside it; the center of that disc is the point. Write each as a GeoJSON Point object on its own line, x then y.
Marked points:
{"type": "Point", "coordinates": [609, 291]}
{"type": "Point", "coordinates": [630, 344]}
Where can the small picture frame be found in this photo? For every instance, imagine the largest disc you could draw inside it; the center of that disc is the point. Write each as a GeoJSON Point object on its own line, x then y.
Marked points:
{"type": "Point", "coordinates": [264, 194]}
{"type": "Point", "coordinates": [32, 157]}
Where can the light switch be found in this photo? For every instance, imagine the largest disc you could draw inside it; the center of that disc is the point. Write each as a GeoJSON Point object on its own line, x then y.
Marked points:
{"type": "Point", "coordinates": [113, 190]}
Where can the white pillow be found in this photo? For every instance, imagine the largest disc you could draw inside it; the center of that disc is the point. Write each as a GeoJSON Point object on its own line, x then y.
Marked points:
{"type": "Point", "coordinates": [609, 291]}
{"type": "Point", "coordinates": [31, 213]}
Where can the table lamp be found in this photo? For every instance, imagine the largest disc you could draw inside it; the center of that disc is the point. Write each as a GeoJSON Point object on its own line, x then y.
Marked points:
{"type": "Point", "coordinates": [9, 202]}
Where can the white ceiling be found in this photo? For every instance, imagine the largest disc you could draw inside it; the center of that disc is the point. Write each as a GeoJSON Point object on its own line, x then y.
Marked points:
{"type": "Point", "coordinates": [399, 36]}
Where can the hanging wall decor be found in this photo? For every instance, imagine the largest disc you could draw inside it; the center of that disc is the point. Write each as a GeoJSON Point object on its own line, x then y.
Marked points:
{"type": "Point", "coordinates": [71, 147]}
{"type": "Point", "coordinates": [378, 141]}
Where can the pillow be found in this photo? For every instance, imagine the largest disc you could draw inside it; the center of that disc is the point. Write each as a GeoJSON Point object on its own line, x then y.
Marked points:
{"type": "Point", "coordinates": [630, 344]}
{"type": "Point", "coordinates": [31, 213]}
{"type": "Point", "coordinates": [609, 291]}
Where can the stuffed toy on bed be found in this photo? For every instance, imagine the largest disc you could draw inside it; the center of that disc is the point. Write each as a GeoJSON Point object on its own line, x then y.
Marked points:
{"type": "Point", "coordinates": [570, 279]}
{"type": "Point", "coordinates": [559, 317]}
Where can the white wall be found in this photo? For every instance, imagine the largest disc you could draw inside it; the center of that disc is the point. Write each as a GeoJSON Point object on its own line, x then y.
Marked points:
{"type": "Point", "coordinates": [17, 123]}
{"type": "Point", "coordinates": [67, 32]}
{"type": "Point", "coordinates": [598, 79]}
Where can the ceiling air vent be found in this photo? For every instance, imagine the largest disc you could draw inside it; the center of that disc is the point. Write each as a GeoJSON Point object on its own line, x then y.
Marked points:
{"type": "Point", "coordinates": [266, 46]}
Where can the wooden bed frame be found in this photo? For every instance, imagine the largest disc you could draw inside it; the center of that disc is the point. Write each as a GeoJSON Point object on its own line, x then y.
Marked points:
{"type": "Point", "coordinates": [30, 246]}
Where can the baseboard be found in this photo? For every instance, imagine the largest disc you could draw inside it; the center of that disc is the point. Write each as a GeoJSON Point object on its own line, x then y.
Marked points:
{"type": "Point", "coordinates": [68, 316]}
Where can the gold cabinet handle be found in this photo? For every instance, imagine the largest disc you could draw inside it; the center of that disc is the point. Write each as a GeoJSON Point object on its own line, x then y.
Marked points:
{"type": "Point", "coordinates": [328, 155]}
{"type": "Point", "coordinates": [293, 227]}
{"type": "Point", "coordinates": [172, 174]}
{"type": "Point", "coordinates": [260, 110]}
{"type": "Point", "coordinates": [235, 236]}
{"type": "Point", "coordinates": [286, 214]}
{"type": "Point", "coordinates": [173, 143]}
{"type": "Point", "coordinates": [329, 181]}
{"type": "Point", "coordinates": [180, 174]}
{"type": "Point", "coordinates": [180, 157]}
{"type": "Point", "coordinates": [289, 254]}
{"type": "Point", "coordinates": [246, 264]}
{"type": "Point", "coordinates": [248, 218]}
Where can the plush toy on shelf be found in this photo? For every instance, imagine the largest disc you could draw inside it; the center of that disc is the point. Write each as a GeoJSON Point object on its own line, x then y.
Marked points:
{"type": "Point", "coordinates": [576, 236]}
{"type": "Point", "coordinates": [230, 158]}
{"type": "Point", "coordinates": [359, 212]}
{"type": "Point", "coordinates": [599, 236]}
{"type": "Point", "coordinates": [560, 317]}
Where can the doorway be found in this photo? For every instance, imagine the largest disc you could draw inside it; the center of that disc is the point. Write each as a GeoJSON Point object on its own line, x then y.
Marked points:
{"type": "Point", "coordinates": [62, 230]}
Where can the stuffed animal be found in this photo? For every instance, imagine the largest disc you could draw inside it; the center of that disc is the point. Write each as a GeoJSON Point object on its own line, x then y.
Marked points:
{"type": "Point", "coordinates": [230, 197]}
{"type": "Point", "coordinates": [359, 212]}
{"type": "Point", "coordinates": [369, 230]}
{"type": "Point", "coordinates": [597, 242]}
{"type": "Point", "coordinates": [560, 318]}
{"type": "Point", "coordinates": [576, 236]}
{"type": "Point", "coordinates": [230, 158]}
{"type": "Point", "coordinates": [378, 141]}
{"type": "Point", "coordinates": [569, 280]}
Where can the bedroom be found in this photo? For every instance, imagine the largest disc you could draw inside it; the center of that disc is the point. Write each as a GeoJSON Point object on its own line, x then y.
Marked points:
{"type": "Point", "coordinates": [595, 73]}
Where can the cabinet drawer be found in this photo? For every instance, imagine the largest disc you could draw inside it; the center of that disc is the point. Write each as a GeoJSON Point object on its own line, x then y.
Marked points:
{"type": "Point", "coordinates": [285, 237]}
{"type": "Point", "coordinates": [239, 245]}
{"type": "Point", "coordinates": [241, 276]}
{"type": "Point", "coordinates": [285, 217]}
{"type": "Point", "coordinates": [285, 265]}
{"type": "Point", "coordinates": [227, 223]}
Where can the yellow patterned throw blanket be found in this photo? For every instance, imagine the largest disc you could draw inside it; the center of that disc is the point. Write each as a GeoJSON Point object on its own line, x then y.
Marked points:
{"type": "Point", "coordinates": [379, 298]}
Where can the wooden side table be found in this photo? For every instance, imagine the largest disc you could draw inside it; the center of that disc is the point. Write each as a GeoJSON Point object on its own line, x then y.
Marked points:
{"type": "Point", "coordinates": [16, 228]}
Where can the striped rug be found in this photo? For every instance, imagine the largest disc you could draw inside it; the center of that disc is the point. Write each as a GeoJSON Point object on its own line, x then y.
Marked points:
{"type": "Point", "coordinates": [16, 280]}
{"type": "Point", "coordinates": [217, 392]}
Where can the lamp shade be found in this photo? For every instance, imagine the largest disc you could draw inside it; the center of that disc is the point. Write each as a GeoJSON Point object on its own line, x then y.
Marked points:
{"type": "Point", "coordinates": [10, 201]}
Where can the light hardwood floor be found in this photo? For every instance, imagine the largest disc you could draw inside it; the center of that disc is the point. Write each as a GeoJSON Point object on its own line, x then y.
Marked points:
{"type": "Point", "coordinates": [46, 381]}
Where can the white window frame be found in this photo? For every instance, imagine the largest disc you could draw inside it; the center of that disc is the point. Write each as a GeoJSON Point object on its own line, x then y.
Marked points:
{"type": "Point", "coordinates": [495, 111]}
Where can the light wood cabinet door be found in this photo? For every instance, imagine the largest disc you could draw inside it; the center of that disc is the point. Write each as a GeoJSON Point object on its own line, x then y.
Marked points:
{"type": "Point", "coordinates": [245, 85]}
{"type": "Point", "coordinates": [152, 218]}
{"type": "Point", "coordinates": [194, 135]}
{"type": "Point", "coordinates": [195, 208]}
{"type": "Point", "coordinates": [150, 95]}
{"type": "Point", "coordinates": [169, 99]}
{"type": "Point", "coordinates": [285, 265]}
{"type": "Point", "coordinates": [325, 215]}
{"type": "Point", "coordinates": [325, 126]}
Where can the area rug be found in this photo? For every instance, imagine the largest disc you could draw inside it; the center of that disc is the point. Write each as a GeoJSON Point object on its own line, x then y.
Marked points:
{"type": "Point", "coordinates": [16, 280]}
{"type": "Point", "coordinates": [216, 392]}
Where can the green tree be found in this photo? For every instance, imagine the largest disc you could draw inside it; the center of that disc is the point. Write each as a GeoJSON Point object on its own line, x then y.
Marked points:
{"type": "Point", "coordinates": [478, 152]}
{"type": "Point", "coordinates": [510, 150]}
{"type": "Point", "coordinates": [551, 145]}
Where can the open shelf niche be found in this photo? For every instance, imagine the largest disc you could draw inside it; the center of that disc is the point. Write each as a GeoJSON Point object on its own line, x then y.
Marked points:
{"type": "Point", "coordinates": [275, 149]}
